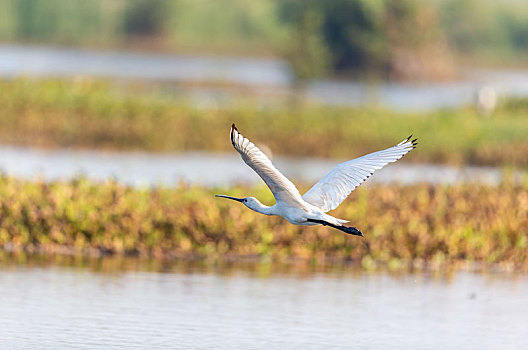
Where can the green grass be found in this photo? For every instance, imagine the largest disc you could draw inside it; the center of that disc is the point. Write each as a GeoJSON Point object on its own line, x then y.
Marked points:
{"type": "Point", "coordinates": [93, 114]}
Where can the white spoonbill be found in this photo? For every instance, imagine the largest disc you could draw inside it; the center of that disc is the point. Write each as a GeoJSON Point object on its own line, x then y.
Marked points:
{"type": "Point", "coordinates": [325, 195]}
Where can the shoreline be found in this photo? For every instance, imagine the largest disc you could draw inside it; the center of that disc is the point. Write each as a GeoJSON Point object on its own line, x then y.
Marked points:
{"type": "Point", "coordinates": [48, 254]}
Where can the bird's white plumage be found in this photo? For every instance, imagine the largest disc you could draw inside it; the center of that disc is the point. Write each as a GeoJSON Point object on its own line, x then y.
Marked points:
{"type": "Point", "coordinates": [325, 195]}
{"type": "Point", "coordinates": [282, 188]}
{"type": "Point", "coordinates": [332, 189]}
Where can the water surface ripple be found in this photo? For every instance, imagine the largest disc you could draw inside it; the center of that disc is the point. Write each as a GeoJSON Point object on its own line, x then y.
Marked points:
{"type": "Point", "coordinates": [66, 308]}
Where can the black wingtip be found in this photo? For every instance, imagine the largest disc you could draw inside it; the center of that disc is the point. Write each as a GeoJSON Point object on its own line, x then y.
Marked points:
{"type": "Point", "coordinates": [232, 134]}
{"type": "Point", "coordinates": [413, 142]}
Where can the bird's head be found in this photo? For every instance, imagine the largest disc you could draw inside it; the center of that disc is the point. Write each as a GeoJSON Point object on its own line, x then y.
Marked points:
{"type": "Point", "coordinates": [250, 202]}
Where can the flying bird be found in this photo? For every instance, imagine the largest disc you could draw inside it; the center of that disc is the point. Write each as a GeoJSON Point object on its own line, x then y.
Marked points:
{"type": "Point", "coordinates": [312, 207]}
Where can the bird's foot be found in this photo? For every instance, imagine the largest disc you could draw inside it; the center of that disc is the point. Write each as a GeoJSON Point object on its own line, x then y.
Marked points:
{"type": "Point", "coordinates": [351, 230]}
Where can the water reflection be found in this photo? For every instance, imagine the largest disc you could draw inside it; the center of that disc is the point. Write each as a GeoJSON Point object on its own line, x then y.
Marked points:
{"type": "Point", "coordinates": [258, 268]}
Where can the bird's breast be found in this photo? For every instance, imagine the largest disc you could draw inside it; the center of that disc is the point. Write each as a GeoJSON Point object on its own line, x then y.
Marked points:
{"type": "Point", "coordinates": [294, 215]}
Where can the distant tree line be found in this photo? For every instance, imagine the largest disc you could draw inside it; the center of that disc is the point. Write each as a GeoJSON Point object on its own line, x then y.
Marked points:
{"type": "Point", "coordinates": [389, 38]}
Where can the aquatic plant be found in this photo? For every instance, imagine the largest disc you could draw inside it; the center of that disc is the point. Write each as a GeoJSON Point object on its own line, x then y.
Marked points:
{"type": "Point", "coordinates": [402, 225]}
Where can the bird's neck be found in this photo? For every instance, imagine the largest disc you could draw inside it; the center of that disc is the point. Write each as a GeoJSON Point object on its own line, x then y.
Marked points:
{"type": "Point", "coordinates": [261, 208]}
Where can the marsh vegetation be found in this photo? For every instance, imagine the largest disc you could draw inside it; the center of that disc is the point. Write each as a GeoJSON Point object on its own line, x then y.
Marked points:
{"type": "Point", "coordinates": [403, 225]}
{"type": "Point", "coordinates": [86, 113]}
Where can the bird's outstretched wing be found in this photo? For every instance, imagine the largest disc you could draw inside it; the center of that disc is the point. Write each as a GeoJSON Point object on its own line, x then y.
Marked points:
{"type": "Point", "coordinates": [280, 186]}
{"type": "Point", "coordinates": [332, 189]}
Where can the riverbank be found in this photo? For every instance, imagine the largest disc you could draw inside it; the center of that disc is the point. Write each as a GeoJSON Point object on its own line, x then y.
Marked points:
{"type": "Point", "coordinates": [403, 226]}
{"type": "Point", "coordinates": [92, 114]}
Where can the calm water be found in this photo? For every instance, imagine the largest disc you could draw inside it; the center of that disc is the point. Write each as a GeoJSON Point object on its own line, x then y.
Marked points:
{"type": "Point", "coordinates": [18, 60]}
{"type": "Point", "coordinates": [269, 80]}
{"type": "Point", "coordinates": [143, 169]}
{"type": "Point", "coordinates": [192, 307]}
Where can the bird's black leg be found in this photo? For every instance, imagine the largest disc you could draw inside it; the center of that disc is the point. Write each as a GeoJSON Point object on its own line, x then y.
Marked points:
{"type": "Point", "coordinates": [350, 230]}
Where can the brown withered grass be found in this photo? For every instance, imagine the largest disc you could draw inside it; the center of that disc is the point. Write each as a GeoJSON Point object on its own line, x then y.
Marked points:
{"type": "Point", "coordinates": [402, 225]}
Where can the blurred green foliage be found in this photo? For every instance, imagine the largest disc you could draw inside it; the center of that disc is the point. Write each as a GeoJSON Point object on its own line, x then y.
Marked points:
{"type": "Point", "coordinates": [400, 38]}
{"type": "Point", "coordinates": [402, 225]}
{"type": "Point", "coordinates": [145, 17]}
{"type": "Point", "coordinates": [306, 48]}
{"type": "Point", "coordinates": [222, 25]}
{"type": "Point", "coordinates": [88, 113]}
{"type": "Point", "coordinates": [493, 29]}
